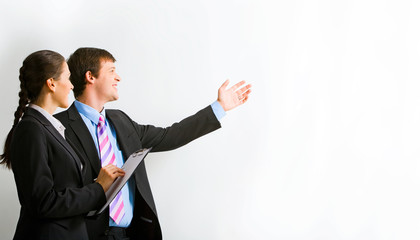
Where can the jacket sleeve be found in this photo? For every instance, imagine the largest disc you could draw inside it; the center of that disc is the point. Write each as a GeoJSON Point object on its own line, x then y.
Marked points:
{"type": "Point", "coordinates": [31, 154]}
{"type": "Point", "coordinates": [179, 133]}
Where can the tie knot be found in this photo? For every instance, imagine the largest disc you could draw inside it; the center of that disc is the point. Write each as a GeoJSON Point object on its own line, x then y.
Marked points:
{"type": "Point", "coordinates": [101, 120]}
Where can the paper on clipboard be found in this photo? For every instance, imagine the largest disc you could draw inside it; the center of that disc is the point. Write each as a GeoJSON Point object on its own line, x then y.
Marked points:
{"type": "Point", "coordinates": [129, 166]}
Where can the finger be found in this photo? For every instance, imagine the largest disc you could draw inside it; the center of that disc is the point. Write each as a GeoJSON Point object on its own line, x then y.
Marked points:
{"type": "Point", "coordinates": [244, 94]}
{"type": "Point", "coordinates": [112, 169]}
{"type": "Point", "coordinates": [225, 84]}
{"type": "Point", "coordinates": [244, 99]}
{"type": "Point", "coordinates": [236, 86]}
{"type": "Point", "coordinates": [115, 169]}
{"type": "Point", "coordinates": [118, 174]}
{"type": "Point", "coordinates": [120, 171]}
{"type": "Point", "coordinates": [112, 166]}
{"type": "Point", "coordinates": [244, 89]}
{"type": "Point", "coordinates": [109, 166]}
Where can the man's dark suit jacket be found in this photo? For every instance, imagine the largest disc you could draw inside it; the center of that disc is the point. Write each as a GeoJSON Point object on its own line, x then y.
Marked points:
{"type": "Point", "coordinates": [49, 182]}
{"type": "Point", "coordinates": [132, 137]}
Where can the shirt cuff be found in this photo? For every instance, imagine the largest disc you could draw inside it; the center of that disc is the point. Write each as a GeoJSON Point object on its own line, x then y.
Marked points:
{"type": "Point", "coordinates": [218, 110]}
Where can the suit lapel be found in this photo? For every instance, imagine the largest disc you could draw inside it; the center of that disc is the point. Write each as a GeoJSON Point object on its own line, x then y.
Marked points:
{"type": "Point", "coordinates": [50, 128]}
{"type": "Point", "coordinates": [129, 142]}
{"type": "Point", "coordinates": [123, 136]}
{"type": "Point", "coordinates": [79, 128]}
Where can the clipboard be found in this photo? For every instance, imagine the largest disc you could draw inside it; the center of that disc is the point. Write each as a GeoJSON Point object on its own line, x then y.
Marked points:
{"type": "Point", "coordinates": [129, 166]}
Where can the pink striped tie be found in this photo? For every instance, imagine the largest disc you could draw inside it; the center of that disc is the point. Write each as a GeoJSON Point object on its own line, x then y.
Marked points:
{"type": "Point", "coordinates": [116, 208]}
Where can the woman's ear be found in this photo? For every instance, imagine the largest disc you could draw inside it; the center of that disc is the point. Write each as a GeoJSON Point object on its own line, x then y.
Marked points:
{"type": "Point", "coordinates": [50, 84]}
{"type": "Point", "coordinates": [89, 77]}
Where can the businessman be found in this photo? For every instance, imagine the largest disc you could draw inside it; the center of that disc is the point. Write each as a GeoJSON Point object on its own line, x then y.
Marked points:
{"type": "Point", "coordinates": [101, 137]}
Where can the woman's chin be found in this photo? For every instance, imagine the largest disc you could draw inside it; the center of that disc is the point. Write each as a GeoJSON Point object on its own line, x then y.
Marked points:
{"type": "Point", "coordinates": [64, 105]}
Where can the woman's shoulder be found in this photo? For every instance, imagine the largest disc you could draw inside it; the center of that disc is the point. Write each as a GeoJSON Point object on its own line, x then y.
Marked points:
{"type": "Point", "coordinates": [29, 124]}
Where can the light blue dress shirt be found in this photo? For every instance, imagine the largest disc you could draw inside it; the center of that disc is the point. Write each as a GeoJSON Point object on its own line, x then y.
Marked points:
{"type": "Point", "coordinates": [91, 118]}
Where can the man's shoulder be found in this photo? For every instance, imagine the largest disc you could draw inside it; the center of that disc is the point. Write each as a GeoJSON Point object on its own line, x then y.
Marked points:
{"type": "Point", "coordinates": [62, 116]}
{"type": "Point", "coordinates": [117, 115]}
{"type": "Point", "coordinates": [114, 111]}
{"type": "Point", "coordinates": [67, 115]}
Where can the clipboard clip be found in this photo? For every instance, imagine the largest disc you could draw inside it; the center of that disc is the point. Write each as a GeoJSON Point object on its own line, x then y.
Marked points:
{"type": "Point", "coordinates": [138, 152]}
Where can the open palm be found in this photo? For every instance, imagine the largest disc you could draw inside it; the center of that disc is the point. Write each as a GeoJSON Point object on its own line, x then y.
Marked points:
{"type": "Point", "coordinates": [234, 96]}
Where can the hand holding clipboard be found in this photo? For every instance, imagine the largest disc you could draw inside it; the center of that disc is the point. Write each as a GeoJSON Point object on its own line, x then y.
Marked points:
{"type": "Point", "coordinates": [129, 166]}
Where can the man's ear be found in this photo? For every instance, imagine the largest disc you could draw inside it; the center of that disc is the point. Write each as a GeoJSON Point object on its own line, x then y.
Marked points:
{"type": "Point", "coordinates": [89, 77]}
{"type": "Point", "coordinates": [50, 84]}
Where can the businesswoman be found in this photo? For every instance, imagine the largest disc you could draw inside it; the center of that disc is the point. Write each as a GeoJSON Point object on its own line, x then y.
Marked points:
{"type": "Point", "coordinates": [48, 173]}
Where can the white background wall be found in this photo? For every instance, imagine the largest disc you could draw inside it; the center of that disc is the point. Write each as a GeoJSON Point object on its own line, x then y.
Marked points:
{"type": "Point", "coordinates": [327, 146]}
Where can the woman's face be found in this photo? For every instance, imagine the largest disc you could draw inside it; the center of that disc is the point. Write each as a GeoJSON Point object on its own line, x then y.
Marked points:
{"type": "Point", "coordinates": [63, 87]}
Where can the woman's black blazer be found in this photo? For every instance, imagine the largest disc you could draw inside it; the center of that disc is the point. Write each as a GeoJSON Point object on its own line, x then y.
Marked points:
{"type": "Point", "coordinates": [49, 182]}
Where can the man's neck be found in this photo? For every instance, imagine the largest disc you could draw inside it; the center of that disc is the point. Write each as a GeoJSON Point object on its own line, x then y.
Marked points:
{"type": "Point", "coordinates": [92, 102]}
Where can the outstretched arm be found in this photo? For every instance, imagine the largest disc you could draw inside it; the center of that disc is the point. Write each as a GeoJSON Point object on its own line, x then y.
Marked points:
{"type": "Point", "coordinates": [234, 96]}
{"type": "Point", "coordinates": [183, 132]}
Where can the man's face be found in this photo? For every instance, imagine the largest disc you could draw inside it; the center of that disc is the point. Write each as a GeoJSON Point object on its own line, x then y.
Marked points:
{"type": "Point", "coordinates": [107, 81]}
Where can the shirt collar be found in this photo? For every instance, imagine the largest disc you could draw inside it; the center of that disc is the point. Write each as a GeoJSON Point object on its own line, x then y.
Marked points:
{"type": "Point", "coordinates": [89, 112]}
{"type": "Point", "coordinates": [54, 121]}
